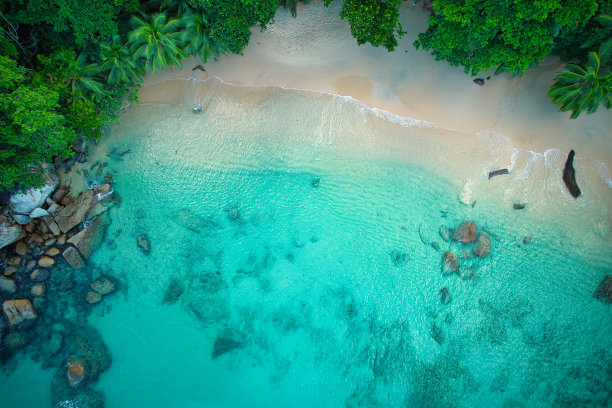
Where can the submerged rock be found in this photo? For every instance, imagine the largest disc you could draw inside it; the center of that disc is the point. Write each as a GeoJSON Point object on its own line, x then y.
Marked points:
{"type": "Point", "coordinates": [450, 263]}
{"type": "Point", "coordinates": [143, 243]}
{"type": "Point", "coordinates": [93, 297]}
{"type": "Point", "coordinates": [72, 256]}
{"type": "Point", "coordinates": [103, 286]}
{"type": "Point", "coordinates": [398, 258]}
{"type": "Point", "coordinates": [465, 233]}
{"type": "Point", "coordinates": [482, 245]}
{"type": "Point", "coordinates": [445, 296]}
{"type": "Point", "coordinates": [18, 310]}
{"type": "Point", "coordinates": [187, 219]}
{"type": "Point", "coordinates": [174, 291]}
{"type": "Point", "coordinates": [9, 232]}
{"type": "Point", "coordinates": [445, 233]}
{"type": "Point", "coordinates": [7, 285]}
{"type": "Point", "coordinates": [604, 289]}
{"type": "Point", "coordinates": [21, 248]}
{"type": "Point", "coordinates": [437, 334]}
{"type": "Point", "coordinates": [75, 372]}
{"type": "Point", "coordinates": [228, 340]}
{"type": "Point", "coordinates": [315, 182]}
{"type": "Point", "coordinates": [46, 262]}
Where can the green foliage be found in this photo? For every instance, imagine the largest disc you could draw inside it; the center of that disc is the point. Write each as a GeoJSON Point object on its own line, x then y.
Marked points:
{"type": "Point", "coordinates": [33, 128]}
{"type": "Point", "coordinates": [292, 5]}
{"type": "Point", "coordinates": [199, 39]}
{"type": "Point", "coordinates": [509, 35]}
{"type": "Point", "coordinates": [118, 64]}
{"type": "Point", "coordinates": [372, 21]}
{"type": "Point", "coordinates": [70, 22]}
{"type": "Point", "coordinates": [230, 22]}
{"type": "Point", "coordinates": [157, 41]}
{"type": "Point", "coordinates": [582, 88]}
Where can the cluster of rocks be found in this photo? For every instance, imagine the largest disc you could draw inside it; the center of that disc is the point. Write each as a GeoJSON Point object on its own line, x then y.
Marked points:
{"type": "Point", "coordinates": [45, 237]}
{"type": "Point", "coordinates": [464, 235]}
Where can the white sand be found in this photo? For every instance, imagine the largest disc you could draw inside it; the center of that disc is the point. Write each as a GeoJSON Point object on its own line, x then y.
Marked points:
{"type": "Point", "coordinates": [316, 51]}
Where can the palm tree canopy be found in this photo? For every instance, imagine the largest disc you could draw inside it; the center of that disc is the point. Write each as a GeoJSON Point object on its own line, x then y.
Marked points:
{"type": "Point", "coordinates": [157, 41]}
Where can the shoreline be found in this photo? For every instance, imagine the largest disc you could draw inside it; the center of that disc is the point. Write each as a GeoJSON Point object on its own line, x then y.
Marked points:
{"type": "Point", "coordinates": [315, 52]}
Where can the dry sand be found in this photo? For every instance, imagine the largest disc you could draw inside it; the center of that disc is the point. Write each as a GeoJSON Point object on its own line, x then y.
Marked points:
{"type": "Point", "coordinates": [316, 51]}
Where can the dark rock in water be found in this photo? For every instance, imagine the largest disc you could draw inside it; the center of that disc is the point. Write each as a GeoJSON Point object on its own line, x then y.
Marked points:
{"type": "Point", "coordinates": [233, 213]}
{"type": "Point", "coordinates": [479, 81]}
{"type": "Point", "coordinates": [498, 173]}
{"type": "Point", "coordinates": [526, 239]}
{"type": "Point", "coordinates": [445, 233]}
{"type": "Point", "coordinates": [65, 396]}
{"type": "Point", "coordinates": [75, 372]}
{"type": "Point", "coordinates": [435, 245]}
{"type": "Point", "coordinates": [482, 245]}
{"type": "Point", "coordinates": [465, 233]}
{"type": "Point", "coordinates": [210, 282]}
{"type": "Point", "coordinates": [449, 263]}
{"type": "Point", "coordinates": [445, 296]}
{"type": "Point", "coordinates": [143, 243]}
{"type": "Point", "coordinates": [517, 206]}
{"type": "Point", "coordinates": [437, 334]}
{"type": "Point", "coordinates": [604, 290]}
{"type": "Point", "coordinates": [187, 219]}
{"type": "Point", "coordinates": [174, 291]}
{"type": "Point", "coordinates": [104, 285]}
{"type": "Point", "coordinates": [227, 341]}
{"type": "Point", "coordinates": [85, 343]}
{"type": "Point", "coordinates": [197, 108]}
{"type": "Point", "coordinates": [569, 176]}
{"type": "Point", "coordinates": [15, 340]}
{"type": "Point", "coordinates": [398, 258]}
{"type": "Point", "coordinates": [315, 182]}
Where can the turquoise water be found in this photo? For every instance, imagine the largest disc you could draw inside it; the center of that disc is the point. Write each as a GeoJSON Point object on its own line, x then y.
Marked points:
{"type": "Point", "coordinates": [294, 261]}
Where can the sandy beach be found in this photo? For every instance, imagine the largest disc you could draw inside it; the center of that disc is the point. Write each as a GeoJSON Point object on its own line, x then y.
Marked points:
{"type": "Point", "coordinates": [315, 51]}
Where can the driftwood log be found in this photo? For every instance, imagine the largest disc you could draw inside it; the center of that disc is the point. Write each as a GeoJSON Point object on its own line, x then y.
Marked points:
{"type": "Point", "coordinates": [569, 176]}
{"type": "Point", "coordinates": [498, 173]}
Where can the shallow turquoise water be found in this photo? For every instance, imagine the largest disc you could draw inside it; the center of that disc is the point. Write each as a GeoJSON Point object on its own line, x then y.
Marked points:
{"type": "Point", "coordinates": [301, 226]}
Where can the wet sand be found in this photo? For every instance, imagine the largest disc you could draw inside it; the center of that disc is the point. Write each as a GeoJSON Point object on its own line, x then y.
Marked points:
{"type": "Point", "coordinates": [316, 51]}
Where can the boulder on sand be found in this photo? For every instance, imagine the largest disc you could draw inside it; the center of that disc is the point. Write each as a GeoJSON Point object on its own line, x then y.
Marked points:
{"type": "Point", "coordinates": [143, 243]}
{"type": "Point", "coordinates": [465, 233]}
{"type": "Point", "coordinates": [26, 201]}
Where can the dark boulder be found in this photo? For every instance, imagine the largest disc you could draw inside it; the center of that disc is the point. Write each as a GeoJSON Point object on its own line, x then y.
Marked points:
{"type": "Point", "coordinates": [465, 233]}
{"type": "Point", "coordinates": [604, 290]}
{"type": "Point", "coordinates": [143, 243]}
{"type": "Point", "coordinates": [449, 263]}
{"type": "Point", "coordinates": [569, 176]}
{"type": "Point", "coordinates": [482, 245]}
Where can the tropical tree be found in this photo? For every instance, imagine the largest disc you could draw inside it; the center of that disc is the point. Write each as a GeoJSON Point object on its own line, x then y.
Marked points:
{"type": "Point", "coordinates": [117, 61]}
{"type": "Point", "coordinates": [80, 77]}
{"type": "Point", "coordinates": [508, 35]}
{"type": "Point", "coordinates": [582, 88]}
{"type": "Point", "coordinates": [199, 38]}
{"type": "Point", "coordinates": [157, 41]}
{"type": "Point", "coordinates": [372, 21]}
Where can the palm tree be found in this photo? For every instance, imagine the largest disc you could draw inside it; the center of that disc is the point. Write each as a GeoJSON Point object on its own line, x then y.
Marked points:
{"type": "Point", "coordinates": [199, 38]}
{"type": "Point", "coordinates": [582, 88]}
{"type": "Point", "coordinates": [157, 41]}
{"type": "Point", "coordinates": [117, 60]}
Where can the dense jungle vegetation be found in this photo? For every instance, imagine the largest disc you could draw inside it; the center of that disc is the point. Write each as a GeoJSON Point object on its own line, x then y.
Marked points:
{"type": "Point", "coordinates": [67, 66]}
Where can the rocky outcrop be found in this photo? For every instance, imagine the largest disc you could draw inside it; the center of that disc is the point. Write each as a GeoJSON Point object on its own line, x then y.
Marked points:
{"type": "Point", "coordinates": [445, 296]}
{"type": "Point", "coordinates": [604, 289]}
{"type": "Point", "coordinates": [90, 238]}
{"type": "Point", "coordinates": [569, 176]}
{"type": "Point", "coordinates": [7, 285]}
{"type": "Point", "coordinates": [450, 263]}
{"type": "Point", "coordinates": [27, 201]}
{"type": "Point", "coordinates": [227, 341]}
{"type": "Point", "coordinates": [187, 219]}
{"type": "Point", "coordinates": [18, 310]}
{"type": "Point", "coordinates": [9, 232]}
{"type": "Point", "coordinates": [71, 255]}
{"type": "Point", "coordinates": [93, 297]}
{"type": "Point", "coordinates": [46, 262]}
{"type": "Point", "coordinates": [465, 233]}
{"type": "Point", "coordinates": [482, 245]}
{"type": "Point", "coordinates": [87, 205]}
